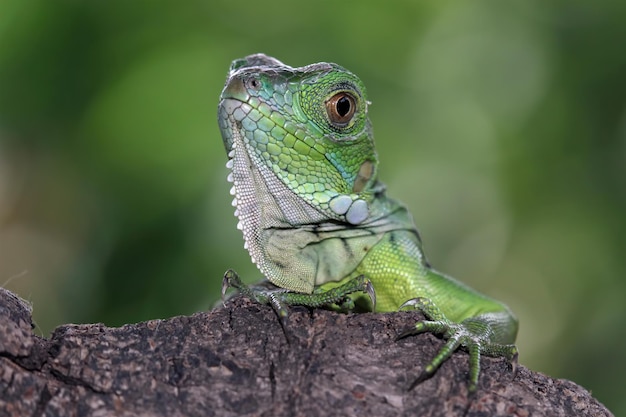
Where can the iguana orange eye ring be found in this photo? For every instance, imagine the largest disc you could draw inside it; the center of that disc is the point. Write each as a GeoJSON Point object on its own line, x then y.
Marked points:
{"type": "Point", "coordinates": [341, 108]}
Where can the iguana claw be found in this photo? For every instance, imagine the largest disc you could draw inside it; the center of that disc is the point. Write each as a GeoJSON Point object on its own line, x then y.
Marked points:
{"type": "Point", "coordinates": [369, 289]}
{"type": "Point", "coordinates": [226, 283]}
{"type": "Point", "coordinates": [231, 280]}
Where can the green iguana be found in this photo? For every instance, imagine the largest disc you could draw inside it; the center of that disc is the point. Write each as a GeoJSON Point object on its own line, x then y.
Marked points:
{"type": "Point", "coordinates": [316, 220]}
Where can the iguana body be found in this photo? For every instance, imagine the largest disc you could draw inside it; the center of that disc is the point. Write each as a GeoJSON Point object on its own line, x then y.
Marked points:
{"type": "Point", "coordinates": [315, 219]}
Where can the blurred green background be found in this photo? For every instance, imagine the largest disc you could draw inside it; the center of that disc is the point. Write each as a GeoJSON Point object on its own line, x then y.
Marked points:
{"type": "Point", "coordinates": [501, 124]}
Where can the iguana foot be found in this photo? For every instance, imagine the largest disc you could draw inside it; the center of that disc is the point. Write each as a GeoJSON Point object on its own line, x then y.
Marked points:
{"type": "Point", "coordinates": [473, 334]}
{"type": "Point", "coordinates": [280, 298]}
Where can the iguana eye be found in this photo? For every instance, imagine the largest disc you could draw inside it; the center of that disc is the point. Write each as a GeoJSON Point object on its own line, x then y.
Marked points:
{"type": "Point", "coordinates": [341, 108]}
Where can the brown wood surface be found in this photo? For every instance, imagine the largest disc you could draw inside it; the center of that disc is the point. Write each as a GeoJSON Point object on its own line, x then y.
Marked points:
{"type": "Point", "coordinates": [236, 360]}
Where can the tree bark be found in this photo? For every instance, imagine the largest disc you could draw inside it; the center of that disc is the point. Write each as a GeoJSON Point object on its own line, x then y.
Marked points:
{"type": "Point", "coordinates": [237, 360]}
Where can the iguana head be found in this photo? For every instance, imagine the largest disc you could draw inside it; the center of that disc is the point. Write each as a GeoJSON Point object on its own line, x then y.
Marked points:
{"type": "Point", "coordinates": [301, 135]}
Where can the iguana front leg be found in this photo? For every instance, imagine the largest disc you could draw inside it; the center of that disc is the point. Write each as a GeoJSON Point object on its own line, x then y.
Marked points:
{"type": "Point", "coordinates": [280, 299]}
{"type": "Point", "coordinates": [464, 317]}
{"type": "Point", "coordinates": [475, 334]}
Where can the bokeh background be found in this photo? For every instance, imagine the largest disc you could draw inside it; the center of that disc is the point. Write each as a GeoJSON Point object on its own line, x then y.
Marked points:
{"type": "Point", "coordinates": [501, 124]}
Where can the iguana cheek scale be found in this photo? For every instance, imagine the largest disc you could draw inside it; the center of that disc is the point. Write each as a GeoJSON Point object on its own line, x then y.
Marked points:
{"type": "Point", "coordinates": [316, 220]}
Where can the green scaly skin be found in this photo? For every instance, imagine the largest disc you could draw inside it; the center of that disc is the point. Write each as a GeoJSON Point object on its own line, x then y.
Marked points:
{"type": "Point", "coordinates": [317, 222]}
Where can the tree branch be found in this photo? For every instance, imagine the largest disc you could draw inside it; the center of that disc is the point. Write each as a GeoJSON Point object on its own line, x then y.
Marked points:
{"type": "Point", "coordinates": [235, 360]}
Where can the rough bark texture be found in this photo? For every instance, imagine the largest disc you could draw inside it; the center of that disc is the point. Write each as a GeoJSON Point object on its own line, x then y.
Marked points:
{"type": "Point", "coordinates": [236, 361]}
